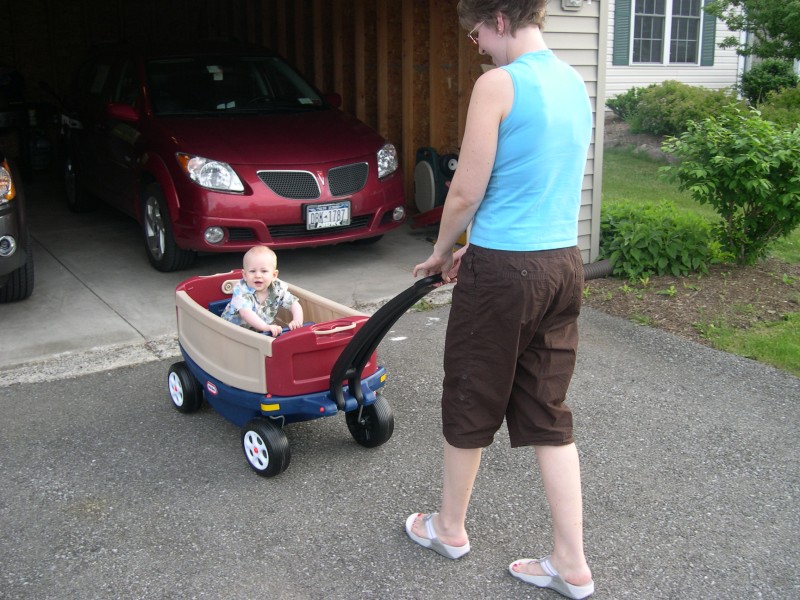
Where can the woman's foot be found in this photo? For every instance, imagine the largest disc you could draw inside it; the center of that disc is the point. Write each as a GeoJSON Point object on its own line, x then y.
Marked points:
{"type": "Point", "coordinates": [542, 573]}
{"type": "Point", "coordinates": [420, 529]}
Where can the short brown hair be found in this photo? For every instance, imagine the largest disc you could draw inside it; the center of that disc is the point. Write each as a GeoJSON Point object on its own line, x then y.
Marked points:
{"type": "Point", "coordinates": [518, 12]}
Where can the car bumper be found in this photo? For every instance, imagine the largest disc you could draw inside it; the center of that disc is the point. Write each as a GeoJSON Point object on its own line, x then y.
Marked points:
{"type": "Point", "coordinates": [251, 218]}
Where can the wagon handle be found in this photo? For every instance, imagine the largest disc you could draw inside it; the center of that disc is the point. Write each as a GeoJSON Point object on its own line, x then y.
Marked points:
{"type": "Point", "coordinates": [335, 329]}
{"type": "Point", "coordinates": [354, 357]}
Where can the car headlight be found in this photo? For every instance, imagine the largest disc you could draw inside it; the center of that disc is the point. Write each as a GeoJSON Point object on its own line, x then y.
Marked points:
{"type": "Point", "coordinates": [387, 160]}
{"type": "Point", "coordinates": [211, 174]}
{"type": "Point", "coordinates": [7, 190]}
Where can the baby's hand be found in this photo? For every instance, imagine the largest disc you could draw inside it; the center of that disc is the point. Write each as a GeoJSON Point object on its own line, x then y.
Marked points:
{"type": "Point", "coordinates": [295, 325]}
{"type": "Point", "coordinates": [275, 330]}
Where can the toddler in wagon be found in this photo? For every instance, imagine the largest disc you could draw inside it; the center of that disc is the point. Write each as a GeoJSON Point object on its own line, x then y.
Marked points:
{"type": "Point", "coordinates": [258, 296]}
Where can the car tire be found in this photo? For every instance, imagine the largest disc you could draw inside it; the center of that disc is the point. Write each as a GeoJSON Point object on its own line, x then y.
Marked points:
{"type": "Point", "coordinates": [375, 426]}
{"type": "Point", "coordinates": [19, 284]}
{"type": "Point", "coordinates": [266, 447]}
{"type": "Point", "coordinates": [78, 199]}
{"type": "Point", "coordinates": [159, 242]}
{"type": "Point", "coordinates": [184, 391]}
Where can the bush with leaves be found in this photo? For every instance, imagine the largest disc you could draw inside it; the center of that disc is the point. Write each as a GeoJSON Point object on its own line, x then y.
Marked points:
{"type": "Point", "coordinates": [642, 240]}
{"type": "Point", "coordinates": [746, 168]}
{"type": "Point", "coordinates": [782, 108]}
{"type": "Point", "coordinates": [666, 108]}
{"type": "Point", "coordinates": [770, 75]}
{"type": "Point", "coordinates": [625, 105]}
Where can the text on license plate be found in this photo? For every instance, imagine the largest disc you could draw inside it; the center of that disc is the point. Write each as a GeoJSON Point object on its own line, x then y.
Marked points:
{"type": "Point", "coordinates": [320, 216]}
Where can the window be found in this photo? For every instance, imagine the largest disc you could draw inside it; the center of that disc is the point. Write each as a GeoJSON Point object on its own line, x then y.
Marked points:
{"type": "Point", "coordinates": [663, 32]}
{"type": "Point", "coordinates": [662, 24]}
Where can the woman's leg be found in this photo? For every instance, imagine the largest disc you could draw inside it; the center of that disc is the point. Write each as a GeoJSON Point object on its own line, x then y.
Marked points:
{"type": "Point", "coordinates": [460, 469]}
{"type": "Point", "coordinates": [561, 476]}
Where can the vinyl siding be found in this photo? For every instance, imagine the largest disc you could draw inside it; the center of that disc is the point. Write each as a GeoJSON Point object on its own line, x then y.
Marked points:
{"type": "Point", "coordinates": [576, 38]}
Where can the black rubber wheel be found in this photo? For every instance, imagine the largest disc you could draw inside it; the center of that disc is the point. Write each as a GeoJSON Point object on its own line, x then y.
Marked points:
{"type": "Point", "coordinates": [265, 447]}
{"type": "Point", "coordinates": [448, 163]}
{"type": "Point", "coordinates": [19, 284]}
{"type": "Point", "coordinates": [375, 426]}
{"type": "Point", "coordinates": [78, 200]}
{"type": "Point", "coordinates": [162, 251]}
{"type": "Point", "coordinates": [184, 391]}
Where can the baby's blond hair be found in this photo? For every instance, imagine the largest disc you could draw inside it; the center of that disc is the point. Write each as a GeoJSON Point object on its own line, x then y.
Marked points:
{"type": "Point", "coordinates": [255, 250]}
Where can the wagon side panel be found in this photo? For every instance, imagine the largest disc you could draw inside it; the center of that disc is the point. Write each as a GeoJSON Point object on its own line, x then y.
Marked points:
{"type": "Point", "coordinates": [229, 353]}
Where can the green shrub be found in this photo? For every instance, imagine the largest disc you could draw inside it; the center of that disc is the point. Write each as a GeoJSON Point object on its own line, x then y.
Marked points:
{"type": "Point", "coordinates": [770, 75]}
{"type": "Point", "coordinates": [665, 109]}
{"type": "Point", "coordinates": [745, 167]}
{"type": "Point", "coordinates": [624, 105]}
{"type": "Point", "coordinates": [782, 108]}
{"type": "Point", "coordinates": [649, 239]}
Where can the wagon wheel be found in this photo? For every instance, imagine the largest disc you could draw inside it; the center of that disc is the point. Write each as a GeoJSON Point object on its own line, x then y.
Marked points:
{"type": "Point", "coordinates": [375, 426]}
{"type": "Point", "coordinates": [186, 394]}
{"type": "Point", "coordinates": [265, 447]}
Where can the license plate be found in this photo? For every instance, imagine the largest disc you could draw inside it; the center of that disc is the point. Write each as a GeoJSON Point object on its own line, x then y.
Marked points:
{"type": "Point", "coordinates": [321, 216]}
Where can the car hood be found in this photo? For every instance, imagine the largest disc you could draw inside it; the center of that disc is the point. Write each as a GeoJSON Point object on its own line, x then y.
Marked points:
{"type": "Point", "coordinates": [281, 139]}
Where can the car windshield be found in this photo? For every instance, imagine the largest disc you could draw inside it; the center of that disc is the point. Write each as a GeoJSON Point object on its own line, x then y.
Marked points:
{"type": "Point", "coordinates": [193, 85]}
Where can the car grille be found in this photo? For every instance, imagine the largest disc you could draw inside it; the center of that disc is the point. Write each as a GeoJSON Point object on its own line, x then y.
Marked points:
{"type": "Point", "coordinates": [348, 179]}
{"type": "Point", "coordinates": [240, 234]}
{"type": "Point", "coordinates": [302, 185]}
{"type": "Point", "coordinates": [297, 185]}
{"type": "Point", "coordinates": [287, 231]}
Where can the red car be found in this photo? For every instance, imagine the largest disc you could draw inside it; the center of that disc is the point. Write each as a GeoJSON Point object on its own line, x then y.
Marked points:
{"type": "Point", "coordinates": [219, 148]}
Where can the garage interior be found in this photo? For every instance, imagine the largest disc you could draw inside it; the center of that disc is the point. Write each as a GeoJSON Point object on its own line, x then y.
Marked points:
{"type": "Point", "coordinates": [405, 68]}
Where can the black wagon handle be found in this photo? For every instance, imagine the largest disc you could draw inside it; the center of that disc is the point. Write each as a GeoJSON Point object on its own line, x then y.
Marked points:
{"type": "Point", "coordinates": [354, 357]}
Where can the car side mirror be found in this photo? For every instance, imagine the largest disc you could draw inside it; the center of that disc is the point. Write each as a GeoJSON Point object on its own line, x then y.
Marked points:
{"type": "Point", "coordinates": [333, 99]}
{"type": "Point", "coordinates": [122, 112]}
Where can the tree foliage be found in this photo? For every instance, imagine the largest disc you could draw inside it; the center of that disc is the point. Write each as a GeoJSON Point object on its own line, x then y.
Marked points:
{"type": "Point", "coordinates": [774, 24]}
{"type": "Point", "coordinates": [746, 168]}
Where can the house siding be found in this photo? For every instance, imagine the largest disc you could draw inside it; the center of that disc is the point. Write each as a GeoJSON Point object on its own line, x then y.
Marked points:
{"type": "Point", "coordinates": [575, 37]}
{"type": "Point", "coordinates": [724, 74]}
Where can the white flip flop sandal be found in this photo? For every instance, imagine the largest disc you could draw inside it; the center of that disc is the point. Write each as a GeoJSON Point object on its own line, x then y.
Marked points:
{"type": "Point", "coordinates": [432, 541]}
{"type": "Point", "coordinates": [552, 580]}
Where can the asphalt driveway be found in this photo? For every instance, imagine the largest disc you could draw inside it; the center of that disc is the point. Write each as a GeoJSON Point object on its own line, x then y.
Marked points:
{"type": "Point", "coordinates": [690, 462]}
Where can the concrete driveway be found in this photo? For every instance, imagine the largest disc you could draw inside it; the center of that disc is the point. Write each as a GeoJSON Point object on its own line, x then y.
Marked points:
{"type": "Point", "coordinates": [97, 302]}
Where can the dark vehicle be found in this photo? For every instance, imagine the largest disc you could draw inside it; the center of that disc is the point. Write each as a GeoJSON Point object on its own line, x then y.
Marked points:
{"type": "Point", "coordinates": [217, 148]}
{"type": "Point", "coordinates": [16, 254]}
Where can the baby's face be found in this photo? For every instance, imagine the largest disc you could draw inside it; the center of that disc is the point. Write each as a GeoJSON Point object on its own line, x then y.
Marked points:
{"type": "Point", "coordinates": [259, 272]}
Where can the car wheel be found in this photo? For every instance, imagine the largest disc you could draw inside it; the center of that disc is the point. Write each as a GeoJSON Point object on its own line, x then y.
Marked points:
{"type": "Point", "coordinates": [375, 426]}
{"type": "Point", "coordinates": [265, 447]}
{"type": "Point", "coordinates": [78, 200]}
{"type": "Point", "coordinates": [19, 284]}
{"type": "Point", "coordinates": [184, 391]}
{"type": "Point", "coordinates": [162, 251]}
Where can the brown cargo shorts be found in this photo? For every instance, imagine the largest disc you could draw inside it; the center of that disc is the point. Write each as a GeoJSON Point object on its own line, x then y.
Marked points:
{"type": "Point", "coordinates": [511, 345]}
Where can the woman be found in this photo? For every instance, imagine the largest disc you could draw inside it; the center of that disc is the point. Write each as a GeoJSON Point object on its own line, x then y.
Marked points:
{"type": "Point", "coordinates": [520, 281]}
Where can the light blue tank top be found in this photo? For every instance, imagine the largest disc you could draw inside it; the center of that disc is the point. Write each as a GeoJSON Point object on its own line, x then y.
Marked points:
{"type": "Point", "coordinates": [534, 193]}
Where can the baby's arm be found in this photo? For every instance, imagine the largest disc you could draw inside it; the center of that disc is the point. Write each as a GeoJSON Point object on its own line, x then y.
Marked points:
{"type": "Point", "coordinates": [297, 315]}
{"type": "Point", "coordinates": [250, 317]}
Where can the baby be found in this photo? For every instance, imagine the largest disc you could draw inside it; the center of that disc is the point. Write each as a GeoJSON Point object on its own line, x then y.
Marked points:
{"type": "Point", "coordinates": [258, 296]}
